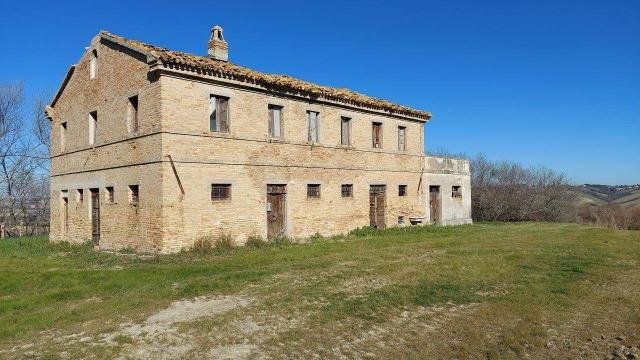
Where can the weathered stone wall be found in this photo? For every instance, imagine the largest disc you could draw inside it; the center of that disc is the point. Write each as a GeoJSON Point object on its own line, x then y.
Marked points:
{"type": "Point", "coordinates": [446, 173]}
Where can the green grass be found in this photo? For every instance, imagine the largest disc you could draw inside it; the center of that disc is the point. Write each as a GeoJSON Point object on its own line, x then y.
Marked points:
{"type": "Point", "coordinates": [524, 278]}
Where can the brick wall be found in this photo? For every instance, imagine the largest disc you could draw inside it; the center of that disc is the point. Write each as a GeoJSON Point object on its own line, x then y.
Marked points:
{"type": "Point", "coordinates": [173, 117]}
{"type": "Point", "coordinates": [118, 158]}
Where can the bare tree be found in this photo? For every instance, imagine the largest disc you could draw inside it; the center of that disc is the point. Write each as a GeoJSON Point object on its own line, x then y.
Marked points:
{"type": "Point", "coordinates": [23, 169]}
{"type": "Point", "coordinates": [508, 191]}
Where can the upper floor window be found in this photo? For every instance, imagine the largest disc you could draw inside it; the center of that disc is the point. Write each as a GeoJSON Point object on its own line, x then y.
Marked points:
{"type": "Point", "coordinates": [275, 121]}
{"type": "Point", "coordinates": [63, 136]}
{"type": "Point", "coordinates": [218, 114]}
{"type": "Point", "coordinates": [132, 114]}
{"type": "Point", "coordinates": [93, 65]}
{"type": "Point", "coordinates": [93, 127]}
{"type": "Point", "coordinates": [376, 135]}
{"type": "Point", "coordinates": [345, 131]}
{"type": "Point", "coordinates": [402, 139]}
{"type": "Point", "coordinates": [402, 190]}
{"type": "Point", "coordinates": [313, 121]}
{"type": "Point", "coordinates": [456, 192]}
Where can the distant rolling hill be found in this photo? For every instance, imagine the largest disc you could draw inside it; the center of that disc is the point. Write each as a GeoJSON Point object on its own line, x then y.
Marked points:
{"type": "Point", "coordinates": [620, 196]}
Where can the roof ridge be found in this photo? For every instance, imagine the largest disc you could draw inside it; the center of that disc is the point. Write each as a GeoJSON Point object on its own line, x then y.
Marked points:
{"type": "Point", "coordinates": [278, 82]}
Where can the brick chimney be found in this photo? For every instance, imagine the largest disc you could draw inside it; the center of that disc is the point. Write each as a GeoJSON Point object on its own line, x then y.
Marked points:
{"type": "Point", "coordinates": [218, 48]}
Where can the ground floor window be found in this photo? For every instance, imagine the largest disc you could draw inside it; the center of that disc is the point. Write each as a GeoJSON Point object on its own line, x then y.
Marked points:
{"type": "Point", "coordinates": [220, 192]}
{"type": "Point", "coordinates": [313, 190]}
{"type": "Point", "coordinates": [347, 190]}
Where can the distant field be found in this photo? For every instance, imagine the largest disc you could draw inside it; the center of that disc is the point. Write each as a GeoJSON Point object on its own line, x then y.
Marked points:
{"type": "Point", "coordinates": [626, 198]}
{"type": "Point", "coordinates": [532, 290]}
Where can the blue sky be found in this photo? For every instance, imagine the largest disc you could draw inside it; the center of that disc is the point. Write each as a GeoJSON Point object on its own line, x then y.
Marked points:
{"type": "Point", "coordinates": [554, 83]}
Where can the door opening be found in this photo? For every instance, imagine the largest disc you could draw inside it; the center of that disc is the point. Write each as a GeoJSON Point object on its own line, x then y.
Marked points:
{"type": "Point", "coordinates": [434, 204]}
{"type": "Point", "coordinates": [65, 217]}
{"type": "Point", "coordinates": [95, 216]}
{"type": "Point", "coordinates": [377, 202]}
{"type": "Point", "coordinates": [276, 211]}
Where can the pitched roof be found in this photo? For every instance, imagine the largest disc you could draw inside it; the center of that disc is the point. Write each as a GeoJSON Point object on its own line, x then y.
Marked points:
{"type": "Point", "coordinates": [209, 66]}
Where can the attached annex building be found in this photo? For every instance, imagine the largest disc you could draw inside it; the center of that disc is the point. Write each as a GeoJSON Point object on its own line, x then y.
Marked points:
{"type": "Point", "coordinates": [152, 149]}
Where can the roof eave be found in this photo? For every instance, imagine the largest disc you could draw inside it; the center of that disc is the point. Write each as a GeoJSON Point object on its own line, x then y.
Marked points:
{"type": "Point", "coordinates": [67, 77]}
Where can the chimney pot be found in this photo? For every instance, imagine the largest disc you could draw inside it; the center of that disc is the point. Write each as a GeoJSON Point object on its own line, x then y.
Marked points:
{"type": "Point", "coordinates": [218, 47]}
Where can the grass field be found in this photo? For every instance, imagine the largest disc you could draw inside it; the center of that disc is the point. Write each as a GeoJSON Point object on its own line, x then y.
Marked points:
{"type": "Point", "coordinates": [483, 291]}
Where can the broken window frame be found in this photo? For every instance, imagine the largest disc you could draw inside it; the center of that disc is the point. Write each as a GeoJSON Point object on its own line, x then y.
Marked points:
{"type": "Point", "coordinates": [456, 192]}
{"type": "Point", "coordinates": [275, 132]}
{"type": "Point", "coordinates": [376, 135]}
{"type": "Point", "coordinates": [346, 190]}
{"type": "Point", "coordinates": [218, 114]}
{"type": "Point", "coordinates": [313, 126]}
{"type": "Point", "coordinates": [220, 192]}
{"type": "Point", "coordinates": [313, 191]}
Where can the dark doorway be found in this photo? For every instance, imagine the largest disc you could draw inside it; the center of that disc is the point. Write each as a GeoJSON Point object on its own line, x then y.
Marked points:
{"type": "Point", "coordinates": [95, 216]}
{"type": "Point", "coordinates": [65, 217]}
{"type": "Point", "coordinates": [377, 198]}
{"type": "Point", "coordinates": [434, 204]}
{"type": "Point", "coordinates": [276, 211]}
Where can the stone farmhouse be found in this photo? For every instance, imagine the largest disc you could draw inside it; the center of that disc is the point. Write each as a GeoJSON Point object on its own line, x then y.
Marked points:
{"type": "Point", "coordinates": [153, 148]}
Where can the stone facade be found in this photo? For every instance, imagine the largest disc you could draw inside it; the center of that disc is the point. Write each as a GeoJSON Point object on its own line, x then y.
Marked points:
{"type": "Point", "coordinates": [174, 158]}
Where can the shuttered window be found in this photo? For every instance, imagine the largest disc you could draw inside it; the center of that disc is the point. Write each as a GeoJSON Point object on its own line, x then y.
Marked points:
{"type": "Point", "coordinates": [402, 141]}
{"type": "Point", "coordinates": [345, 131]}
{"type": "Point", "coordinates": [376, 135]}
{"type": "Point", "coordinates": [275, 121]}
{"type": "Point", "coordinates": [312, 125]}
{"type": "Point", "coordinates": [218, 114]}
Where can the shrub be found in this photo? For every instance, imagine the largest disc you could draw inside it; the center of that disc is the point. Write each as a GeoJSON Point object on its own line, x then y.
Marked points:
{"type": "Point", "coordinates": [255, 241]}
{"type": "Point", "coordinates": [209, 244]}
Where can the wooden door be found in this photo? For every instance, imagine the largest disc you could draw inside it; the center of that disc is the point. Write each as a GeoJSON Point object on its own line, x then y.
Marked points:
{"type": "Point", "coordinates": [377, 197]}
{"type": "Point", "coordinates": [95, 216]}
{"type": "Point", "coordinates": [65, 217]}
{"type": "Point", "coordinates": [276, 211]}
{"type": "Point", "coordinates": [434, 204]}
